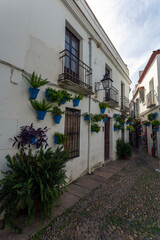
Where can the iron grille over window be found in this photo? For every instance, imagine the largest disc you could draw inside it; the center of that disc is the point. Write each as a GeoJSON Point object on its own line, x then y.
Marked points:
{"type": "Point", "coordinates": [72, 131]}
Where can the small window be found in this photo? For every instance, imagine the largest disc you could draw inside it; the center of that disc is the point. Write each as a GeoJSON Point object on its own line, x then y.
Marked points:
{"type": "Point", "coordinates": [141, 95]}
{"type": "Point", "coordinates": [72, 131]}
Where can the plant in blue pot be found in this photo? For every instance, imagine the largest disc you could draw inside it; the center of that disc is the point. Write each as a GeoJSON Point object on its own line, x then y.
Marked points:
{"type": "Point", "coordinates": [59, 138]}
{"type": "Point", "coordinates": [41, 107]}
{"type": "Point", "coordinates": [86, 116]}
{"type": "Point", "coordinates": [102, 107]}
{"type": "Point", "coordinates": [77, 99]}
{"type": "Point", "coordinates": [115, 127]}
{"type": "Point", "coordinates": [65, 96]}
{"type": "Point", "coordinates": [95, 128]}
{"type": "Point", "coordinates": [106, 118]}
{"type": "Point", "coordinates": [35, 81]}
{"type": "Point", "coordinates": [29, 135]}
{"type": "Point", "coordinates": [57, 114]}
{"type": "Point", "coordinates": [155, 123]}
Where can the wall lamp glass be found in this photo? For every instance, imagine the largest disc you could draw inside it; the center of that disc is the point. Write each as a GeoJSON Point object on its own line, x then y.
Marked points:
{"type": "Point", "coordinates": [106, 83]}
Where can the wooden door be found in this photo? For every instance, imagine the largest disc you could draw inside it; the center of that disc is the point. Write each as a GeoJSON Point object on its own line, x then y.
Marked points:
{"type": "Point", "coordinates": [107, 140]}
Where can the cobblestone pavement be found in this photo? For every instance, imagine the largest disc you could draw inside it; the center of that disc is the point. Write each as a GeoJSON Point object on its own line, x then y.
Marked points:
{"type": "Point", "coordinates": [125, 206]}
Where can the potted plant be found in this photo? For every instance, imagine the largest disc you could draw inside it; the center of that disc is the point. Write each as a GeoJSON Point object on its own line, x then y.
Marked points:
{"type": "Point", "coordinates": [32, 179]}
{"type": "Point", "coordinates": [95, 127]}
{"type": "Point", "coordinates": [116, 127]}
{"type": "Point", "coordinates": [155, 123]}
{"type": "Point", "coordinates": [53, 95]}
{"type": "Point", "coordinates": [86, 116]}
{"type": "Point", "coordinates": [41, 107]}
{"type": "Point", "coordinates": [59, 138]}
{"type": "Point", "coordinates": [77, 99]}
{"type": "Point", "coordinates": [57, 114]}
{"type": "Point", "coordinates": [66, 96]}
{"type": "Point", "coordinates": [29, 135]}
{"type": "Point", "coordinates": [35, 81]}
{"type": "Point", "coordinates": [115, 115]}
{"type": "Point", "coordinates": [151, 116]}
{"type": "Point", "coordinates": [130, 128]}
{"type": "Point", "coordinates": [120, 120]}
{"type": "Point", "coordinates": [146, 123]}
{"type": "Point", "coordinates": [103, 107]}
{"type": "Point", "coordinates": [123, 148]}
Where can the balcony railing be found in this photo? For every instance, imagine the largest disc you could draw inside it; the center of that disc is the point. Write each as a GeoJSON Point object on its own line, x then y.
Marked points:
{"type": "Point", "coordinates": [125, 104]}
{"type": "Point", "coordinates": [151, 98]}
{"type": "Point", "coordinates": [75, 73]}
{"type": "Point", "coordinates": [112, 97]}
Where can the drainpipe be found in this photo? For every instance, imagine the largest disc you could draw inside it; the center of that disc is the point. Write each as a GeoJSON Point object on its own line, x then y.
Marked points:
{"type": "Point", "coordinates": [89, 105]}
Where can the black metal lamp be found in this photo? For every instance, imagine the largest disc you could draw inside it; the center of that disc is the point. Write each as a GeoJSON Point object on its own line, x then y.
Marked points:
{"type": "Point", "coordinates": [106, 82]}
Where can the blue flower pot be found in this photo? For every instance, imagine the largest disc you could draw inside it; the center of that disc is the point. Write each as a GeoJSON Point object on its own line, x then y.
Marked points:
{"type": "Point", "coordinates": [76, 102]}
{"type": "Point", "coordinates": [130, 123]}
{"type": "Point", "coordinates": [115, 115]}
{"type": "Point", "coordinates": [57, 118]}
{"type": "Point", "coordinates": [156, 129]}
{"type": "Point", "coordinates": [32, 139]}
{"type": "Point", "coordinates": [115, 129]}
{"type": "Point", "coordinates": [56, 139]}
{"type": "Point", "coordinates": [153, 117]}
{"type": "Point", "coordinates": [63, 101]}
{"type": "Point", "coordinates": [122, 124]}
{"type": "Point", "coordinates": [127, 123]}
{"type": "Point", "coordinates": [148, 124]}
{"type": "Point", "coordinates": [156, 114]}
{"type": "Point", "coordinates": [41, 115]}
{"type": "Point", "coordinates": [103, 110]}
{"type": "Point", "coordinates": [86, 117]}
{"type": "Point", "coordinates": [33, 93]}
{"type": "Point", "coordinates": [105, 120]}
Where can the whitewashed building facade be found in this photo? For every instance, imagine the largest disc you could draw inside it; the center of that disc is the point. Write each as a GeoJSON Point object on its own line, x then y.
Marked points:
{"type": "Point", "coordinates": [36, 35]}
{"type": "Point", "coordinates": [146, 100]}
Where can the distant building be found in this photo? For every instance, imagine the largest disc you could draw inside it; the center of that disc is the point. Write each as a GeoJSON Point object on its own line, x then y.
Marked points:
{"type": "Point", "coordinates": [146, 100]}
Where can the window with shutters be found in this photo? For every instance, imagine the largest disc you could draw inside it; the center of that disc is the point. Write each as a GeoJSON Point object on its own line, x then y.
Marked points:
{"type": "Point", "coordinates": [141, 95]}
{"type": "Point", "coordinates": [72, 131]}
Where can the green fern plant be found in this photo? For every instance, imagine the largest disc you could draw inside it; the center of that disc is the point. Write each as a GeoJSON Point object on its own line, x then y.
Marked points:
{"type": "Point", "coordinates": [56, 111]}
{"type": "Point", "coordinates": [40, 105]}
{"type": "Point", "coordinates": [35, 81]}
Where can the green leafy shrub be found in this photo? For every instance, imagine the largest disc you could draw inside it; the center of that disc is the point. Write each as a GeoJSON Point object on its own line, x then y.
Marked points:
{"type": "Point", "coordinates": [40, 105]}
{"type": "Point", "coordinates": [61, 137]}
{"type": "Point", "coordinates": [35, 81]}
{"type": "Point", "coordinates": [32, 177]}
{"type": "Point", "coordinates": [95, 127]}
{"type": "Point", "coordinates": [123, 149]}
{"type": "Point", "coordinates": [56, 111]}
{"type": "Point", "coordinates": [103, 105]}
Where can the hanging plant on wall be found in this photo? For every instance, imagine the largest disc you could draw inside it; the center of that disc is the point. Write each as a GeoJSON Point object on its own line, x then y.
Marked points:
{"type": "Point", "coordinates": [146, 123]}
{"type": "Point", "coordinates": [95, 127]}
{"type": "Point", "coordinates": [130, 129]}
{"type": "Point", "coordinates": [77, 99]}
{"type": "Point", "coordinates": [103, 107]}
{"type": "Point", "coordinates": [41, 107]}
{"type": "Point", "coordinates": [57, 114]}
{"type": "Point", "coordinates": [35, 81]}
{"type": "Point", "coordinates": [152, 116]}
{"type": "Point", "coordinates": [155, 123]}
{"type": "Point", "coordinates": [117, 127]}
{"type": "Point", "coordinates": [30, 136]}
{"type": "Point", "coordinates": [59, 138]}
{"type": "Point", "coordinates": [66, 96]}
{"type": "Point", "coordinates": [120, 120]}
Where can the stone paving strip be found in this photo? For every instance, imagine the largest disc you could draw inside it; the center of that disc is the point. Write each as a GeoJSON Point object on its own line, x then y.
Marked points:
{"type": "Point", "coordinates": [119, 201]}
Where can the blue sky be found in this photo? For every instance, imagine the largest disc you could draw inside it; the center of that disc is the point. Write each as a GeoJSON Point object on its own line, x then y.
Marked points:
{"type": "Point", "coordinates": [133, 26]}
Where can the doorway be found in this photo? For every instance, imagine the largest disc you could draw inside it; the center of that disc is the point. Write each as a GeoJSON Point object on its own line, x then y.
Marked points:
{"type": "Point", "coordinates": [107, 140]}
